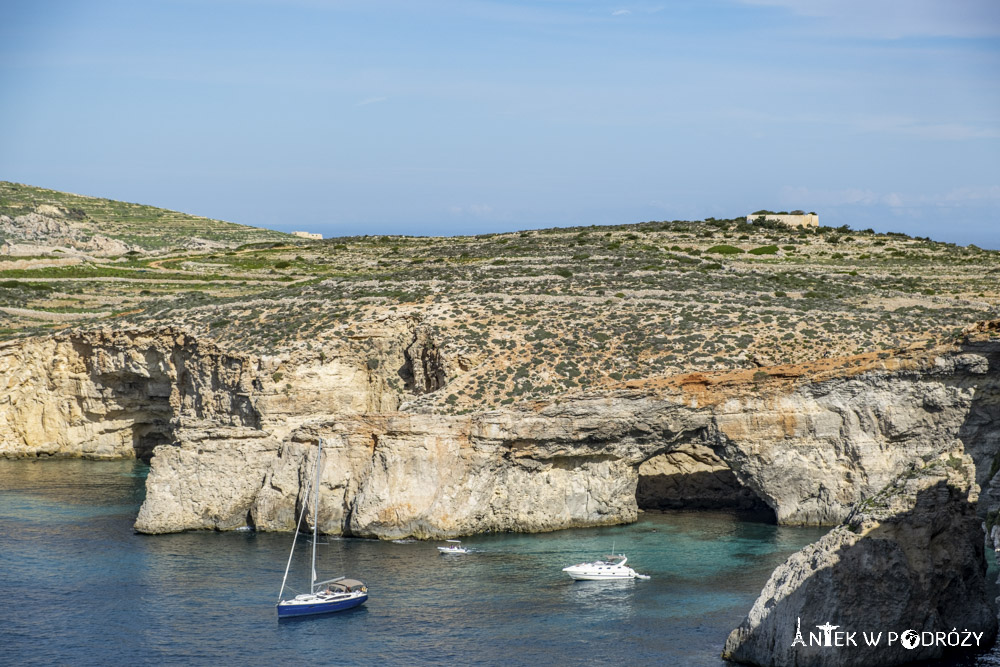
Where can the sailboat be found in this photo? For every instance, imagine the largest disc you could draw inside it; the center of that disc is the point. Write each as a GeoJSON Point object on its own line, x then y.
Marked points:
{"type": "Point", "coordinates": [327, 596]}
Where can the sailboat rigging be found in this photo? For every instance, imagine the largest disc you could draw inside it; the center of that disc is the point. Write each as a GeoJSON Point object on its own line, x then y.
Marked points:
{"type": "Point", "coordinates": [340, 593]}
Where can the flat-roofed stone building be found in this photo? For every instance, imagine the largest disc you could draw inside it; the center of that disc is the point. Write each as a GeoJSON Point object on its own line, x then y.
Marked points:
{"type": "Point", "coordinates": [794, 219]}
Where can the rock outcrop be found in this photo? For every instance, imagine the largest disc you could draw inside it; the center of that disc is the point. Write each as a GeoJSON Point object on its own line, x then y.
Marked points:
{"type": "Point", "coordinates": [233, 437]}
{"type": "Point", "coordinates": [907, 565]}
{"type": "Point", "coordinates": [369, 372]}
{"type": "Point", "coordinates": [116, 394]}
{"type": "Point", "coordinates": [807, 441]}
{"type": "Point", "coordinates": [48, 230]}
{"type": "Point", "coordinates": [221, 469]}
{"type": "Point", "coordinates": [400, 475]}
{"type": "Point", "coordinates": [808, 447]}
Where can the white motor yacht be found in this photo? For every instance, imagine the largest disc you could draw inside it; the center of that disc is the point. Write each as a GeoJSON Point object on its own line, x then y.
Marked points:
{"type": "Point", "coordinates": [454, 547]}
{"type": "Point", "coordinates": [612, 567]}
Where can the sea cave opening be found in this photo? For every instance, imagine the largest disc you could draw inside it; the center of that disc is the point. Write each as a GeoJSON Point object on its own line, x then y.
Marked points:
{"type": "Point", "coordinates": [694, 477]}
{"type": "Point", "coordinates": [140, 409]}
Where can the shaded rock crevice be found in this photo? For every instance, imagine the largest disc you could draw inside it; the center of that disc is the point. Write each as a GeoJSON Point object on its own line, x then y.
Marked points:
{"type": "Point", "coordinates": [424, 368]}
{"type": "Point", "coordinates": [692, 477]}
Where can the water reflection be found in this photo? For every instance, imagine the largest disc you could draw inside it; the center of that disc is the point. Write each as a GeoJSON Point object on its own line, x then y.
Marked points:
{"type": "Point", "coordinates": [207, 597]}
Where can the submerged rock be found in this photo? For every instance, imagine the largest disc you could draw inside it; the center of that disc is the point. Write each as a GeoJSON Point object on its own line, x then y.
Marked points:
{"type": "Point", "coordinates": [908, 563]}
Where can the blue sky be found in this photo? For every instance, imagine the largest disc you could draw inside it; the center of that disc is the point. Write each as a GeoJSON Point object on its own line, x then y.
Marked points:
{"type": "Point", "coordinates": [354, 117]}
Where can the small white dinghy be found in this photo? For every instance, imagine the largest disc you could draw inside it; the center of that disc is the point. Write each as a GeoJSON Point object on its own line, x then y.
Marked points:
{"type": "Point", "coordinates": [612, 567]}
{"type": "Point", "coordinates": [454, 547]}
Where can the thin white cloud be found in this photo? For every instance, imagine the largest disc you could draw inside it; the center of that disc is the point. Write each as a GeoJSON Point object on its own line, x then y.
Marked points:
{"type": "Point", "coordinates": [876, 124]}
{"type": "Point", "coordinates": [621, 12]}
{"type": "Point", "coordinates": [973, 193]}
{"type": "Point", "coordinates": [894, 19]}
{"type": "Point", "coordinates": [893, 200]}
{"type": "Point", "coordinates": [817, 199]}
{"type": "Point", "coordinates": [843, 197]}
{"type": "Point", "coordinates": [370, 100]}
{"type": "Point", "coordinates": [925, 130]}
{"type": "Point", "coordinates": [952, 131]}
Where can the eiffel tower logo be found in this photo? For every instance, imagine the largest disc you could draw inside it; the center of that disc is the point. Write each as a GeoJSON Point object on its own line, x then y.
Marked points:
{"type": "Point", "coordinates": [798, 633]}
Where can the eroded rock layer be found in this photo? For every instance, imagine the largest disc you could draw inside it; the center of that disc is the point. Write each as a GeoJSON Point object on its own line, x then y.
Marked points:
{"type": "Point", "coordinates": [808, 441]}
{"type": "Point", "coordinates": [116, 394]}
{"type": "Point", "coordinates": [907, 565]}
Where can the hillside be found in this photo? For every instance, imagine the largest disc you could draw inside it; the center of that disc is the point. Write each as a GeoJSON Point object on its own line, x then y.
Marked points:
{"type": "Point", "coordinates": [527, 315]}
{"type": "Point", "coordinates": [48, 220]}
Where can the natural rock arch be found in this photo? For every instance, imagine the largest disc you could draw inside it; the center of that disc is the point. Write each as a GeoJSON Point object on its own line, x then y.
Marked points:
{"type": "Point", "coordinates": [692, 476]}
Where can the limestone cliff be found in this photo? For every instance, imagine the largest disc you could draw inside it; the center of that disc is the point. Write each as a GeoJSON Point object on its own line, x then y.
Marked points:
{"type": "Point", "coordinates": [48, 230]}
{"type": "Point", "coordinates": [808, 443]}
{"type": "Point", "coordinates": [115, 394]}
{"type": "Point", "coordinates": [908, 563]}
{"type": "Point", "coordinates": [232, 437]}
{"type": "Point", "coordinates": [396, 476]}
{"type": "Point", "coordinates": [112, 393]}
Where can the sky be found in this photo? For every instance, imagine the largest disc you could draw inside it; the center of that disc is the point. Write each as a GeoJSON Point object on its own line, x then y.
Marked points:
{"type": "Point", "coordinates": [471, 116]}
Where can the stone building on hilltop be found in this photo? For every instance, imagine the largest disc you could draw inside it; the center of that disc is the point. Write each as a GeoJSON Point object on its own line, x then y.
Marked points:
{"type": "Point", "coordinates": [793, 219]}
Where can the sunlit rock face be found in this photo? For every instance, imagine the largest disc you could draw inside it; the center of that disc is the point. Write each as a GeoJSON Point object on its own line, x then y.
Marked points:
{"type": "Point", "coordinates": [116, 394]}
{"type": "Point", "coordinates": [807, 441]}
{"type": "Point", "coordinates": [807, 447]}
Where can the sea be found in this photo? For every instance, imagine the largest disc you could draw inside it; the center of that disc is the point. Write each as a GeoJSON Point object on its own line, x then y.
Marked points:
{"type": "Point", "coordinates": [79, 587]}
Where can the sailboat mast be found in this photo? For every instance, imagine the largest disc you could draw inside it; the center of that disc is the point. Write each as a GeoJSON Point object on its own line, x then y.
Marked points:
{"type": "Point", "coordinates": [298, 524]}
{"type": "Point", "coordinates": [319, 463]}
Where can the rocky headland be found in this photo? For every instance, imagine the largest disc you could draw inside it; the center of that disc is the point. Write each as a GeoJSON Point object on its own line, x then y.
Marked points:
{"type": "Point", "coordinates": [531, 382]}
{"type": "Point", "coordinates": [892, 446]}
{"type": "Point", "coordinates": [903, 579]}
{"type": "Point", "coordinates": [230, 443]}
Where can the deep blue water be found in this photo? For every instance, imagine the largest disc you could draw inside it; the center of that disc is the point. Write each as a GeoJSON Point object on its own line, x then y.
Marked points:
{"type": "Point", "coordinates": [78, 587]}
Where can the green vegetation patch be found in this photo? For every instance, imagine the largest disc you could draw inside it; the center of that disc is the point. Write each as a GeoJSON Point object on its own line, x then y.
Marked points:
{"type": "Point", "coordinates": [725, 250]}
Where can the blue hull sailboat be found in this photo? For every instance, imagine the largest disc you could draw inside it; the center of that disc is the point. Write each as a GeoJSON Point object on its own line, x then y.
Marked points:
{"type": "Point", "coordinates": [340, 595]}
{"type": "Point", "coordinates": [324, 597]}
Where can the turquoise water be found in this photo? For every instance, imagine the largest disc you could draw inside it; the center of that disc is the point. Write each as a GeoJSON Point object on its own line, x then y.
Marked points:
{"type": "Point", "coordinates": [78, 587]}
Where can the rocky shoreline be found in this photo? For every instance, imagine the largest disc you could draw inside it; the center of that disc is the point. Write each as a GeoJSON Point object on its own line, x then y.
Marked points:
{"type": "Point", "coordinates": [230, 436]}
{"type": "Point", "coordinates": [229, 433]}
{"type": "Point", "coordinates": [909, 562]}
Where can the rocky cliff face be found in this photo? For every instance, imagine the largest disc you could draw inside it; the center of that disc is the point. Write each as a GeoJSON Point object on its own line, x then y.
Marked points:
{"type": "Point", "coordinates": [808, 441]}
{"type": "Point", "coordinates": [395, 476]}
{"type": "Point", "coordinates": [109, 393]}
{"type": "Point", "coordinates": [115, 394]}
{"type": "Point", "coordinates": [235, 435]}
{"type": "Point", "coordinates": [370, 372]}
{"type": "Point", "coordinates": [907, 564]}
